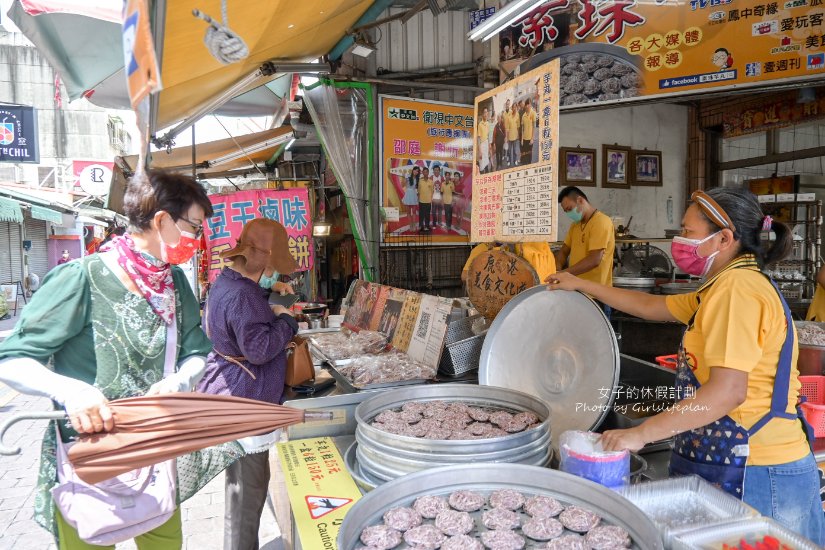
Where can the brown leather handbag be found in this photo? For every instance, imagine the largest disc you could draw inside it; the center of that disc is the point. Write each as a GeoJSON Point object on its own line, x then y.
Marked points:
{"type": "Point", "coordinates": [299, 367]}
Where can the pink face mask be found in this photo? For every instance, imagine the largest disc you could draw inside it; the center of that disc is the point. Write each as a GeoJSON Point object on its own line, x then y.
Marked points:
{"type": "Point", "coordinates": [181, 252]}
{"type": "Point", "coordinates": [686, 255]}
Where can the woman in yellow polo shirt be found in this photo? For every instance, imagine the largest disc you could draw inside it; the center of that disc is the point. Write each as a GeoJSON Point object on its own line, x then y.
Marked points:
{"type": "Point", "coordinates": [737, 423]}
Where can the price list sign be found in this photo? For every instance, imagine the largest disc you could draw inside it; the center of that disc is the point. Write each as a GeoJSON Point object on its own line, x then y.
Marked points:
{"type": "Point", "coordinates": [487, 204]}
{"type": "Point", "coordinates": [516, 181]}
{"type": "Point", "coordinates": [528, 202]}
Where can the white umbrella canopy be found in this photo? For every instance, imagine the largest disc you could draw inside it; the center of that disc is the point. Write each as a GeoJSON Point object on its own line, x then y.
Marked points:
{"type": "Point", "coordinates": [82, 40]}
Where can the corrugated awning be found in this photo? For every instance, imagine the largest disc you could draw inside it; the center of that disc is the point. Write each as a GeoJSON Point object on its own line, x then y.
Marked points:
{"type": "Point", "coordinates": [46, 214]}
{"type": "Point", "coordinates": [10, 210]}
{"type": "Point", "coordinates": [27, 200]}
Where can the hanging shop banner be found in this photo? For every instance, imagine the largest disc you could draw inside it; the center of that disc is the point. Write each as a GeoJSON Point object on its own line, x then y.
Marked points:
{"type": "Point", "coordinates": [627, 49]}
{"type": "Point", "coordinates": [289, 207]}
{"type": "Point", "coordinates": [414, 323]}
{"type": "Point", "coordinates": [321, 490]}
{"type": "Point", "coordinates": [18, 134]}
{"type": "Point", "coordinates": [773, 112]}
{"type": "Point", "coordinates": [477, 17]}
{"type": "Point", "coordinates": [140, 61]}
{"type": "Point", "coordinates": [427, 180]}
{"type": "Point", "coordinates": [92, 177]}
{"type": "Point", "coordinates": [516, 159]}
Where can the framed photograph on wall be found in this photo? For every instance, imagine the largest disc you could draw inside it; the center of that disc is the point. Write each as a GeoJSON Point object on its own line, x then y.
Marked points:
{"type": "Point", "coordinates": [578, 166]}
{"type": "Point", "coordinates": [616, 172]}
{"type": "Point", "coordinates": [647, 168]}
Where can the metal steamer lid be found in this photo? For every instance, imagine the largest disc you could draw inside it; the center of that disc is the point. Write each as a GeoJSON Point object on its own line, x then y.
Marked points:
{"type": "Point", "coordinates": [559, 347]}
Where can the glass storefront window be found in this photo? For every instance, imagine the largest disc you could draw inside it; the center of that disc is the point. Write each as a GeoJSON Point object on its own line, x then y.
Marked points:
{"type": "Point", "coordinates": [802, 136]}
{"type": "Point", "coordinates": [743, 147]}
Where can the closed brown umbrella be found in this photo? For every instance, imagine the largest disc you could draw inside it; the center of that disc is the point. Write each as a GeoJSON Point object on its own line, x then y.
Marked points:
{"type": "Point", "coordinates": [149, 430]}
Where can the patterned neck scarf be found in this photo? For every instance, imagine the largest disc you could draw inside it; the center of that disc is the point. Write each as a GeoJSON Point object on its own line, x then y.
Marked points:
{"type": "Point", "coordinates": [152, 277]}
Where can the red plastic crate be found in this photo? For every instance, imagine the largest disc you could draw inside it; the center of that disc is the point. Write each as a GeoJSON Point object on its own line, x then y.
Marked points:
{"type": "Point", "coordinates": [668, 361]}
{"type": "Point", "coordinates": [813, 388]}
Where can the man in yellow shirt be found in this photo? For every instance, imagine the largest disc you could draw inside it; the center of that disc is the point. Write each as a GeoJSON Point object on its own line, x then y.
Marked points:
{"type": "Point", "coordinates": [483, 138]}
{"type": "Point", "coordinates": [426, 186]}
{"type": "Point", "coordinates": [511, 123]}
{"type": "Point", "coordinates": [538, 255]}
{"type": "Point", "coordinates": [528, 129]}
{"type": "Point", "coordinates": [447, 188]}
{"type": "Point", "coordinates": [591, 242]}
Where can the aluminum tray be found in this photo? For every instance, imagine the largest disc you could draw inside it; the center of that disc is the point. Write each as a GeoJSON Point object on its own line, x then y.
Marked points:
{"type": "Point", "coordinates": [684, 504]}
{"type": "Point", "coordinates": [483, 395]}
{"type": "Point", "coordinates": [363, 480]}
{"type": "Point", "coordinates": [712, 538]}
{"type": "Point", "coordinates": [453, 458]}
{"type": "Point", "coordinates": [391, 467]}
{"type": "Point", "coordinates": [559, 347]}
{"type": "Point", "coordinates": [634, 282]}
{"type": "Point", "coordinates": [345, 382]}
{"type": "Point", "coordinates": [486, 478]}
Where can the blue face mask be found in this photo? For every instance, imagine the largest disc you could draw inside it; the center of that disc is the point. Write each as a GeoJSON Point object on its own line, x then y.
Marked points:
{"type": "Point", "coordinates": [267, 282]}
{"type": "Point", "coordinates": [574, 214]}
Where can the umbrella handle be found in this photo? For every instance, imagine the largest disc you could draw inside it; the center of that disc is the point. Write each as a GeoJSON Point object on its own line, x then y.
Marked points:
{"type": "Point", "coordinates": [4, 427]}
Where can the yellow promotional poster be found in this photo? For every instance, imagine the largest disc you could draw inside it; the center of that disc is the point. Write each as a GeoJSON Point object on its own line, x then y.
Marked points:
{"type": "Point", "coordinates": [516, 159]}
{"type": "Point", "coordinates": [140, 61]}
{"type": "Point", "coordinates": [628, 48]}
{"type": "Point", "coordinates": [426, 170]}
{"type": "Point", "coordinates": [320, 489]}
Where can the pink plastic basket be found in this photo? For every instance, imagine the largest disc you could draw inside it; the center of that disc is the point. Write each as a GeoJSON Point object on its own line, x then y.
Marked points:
{"type": "Point", "coordinates": [813, 388]}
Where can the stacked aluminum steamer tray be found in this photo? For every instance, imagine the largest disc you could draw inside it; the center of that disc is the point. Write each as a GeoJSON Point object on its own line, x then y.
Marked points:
{"type": "Point", "coordinates": [531, 481]}
{"type": "Point", "coordinates": [379, 456]}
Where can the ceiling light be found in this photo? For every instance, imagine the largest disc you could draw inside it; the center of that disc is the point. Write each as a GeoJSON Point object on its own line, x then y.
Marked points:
{"type": "Point", "coordinates": [806, 95]}
{"type": "Point", "coordinates": [321, 229]}
{"type": "Point", "coordinates": [256, 148]}
{"type": "Point", "coordinates": [362, 49]}
{"type": "Point", "coordinates": [503, 18]}
{"type": "Point", "coordinates": [288, 145]}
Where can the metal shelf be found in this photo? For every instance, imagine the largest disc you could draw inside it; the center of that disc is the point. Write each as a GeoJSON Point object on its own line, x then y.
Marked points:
{"type": "Point", "coordinates": [809, 225]}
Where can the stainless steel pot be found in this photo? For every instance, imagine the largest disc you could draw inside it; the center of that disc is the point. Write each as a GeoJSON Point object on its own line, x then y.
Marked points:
{"type": "Point", "coordinates": [316, 321]}
{"type": "Point", "coordinates": [643, 284]}
{"type": "Point", "coordinates": [638, 467]}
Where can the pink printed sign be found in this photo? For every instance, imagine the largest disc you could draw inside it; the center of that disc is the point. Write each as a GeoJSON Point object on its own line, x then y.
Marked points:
{"type": "Point", "coordinates": [290, 207]}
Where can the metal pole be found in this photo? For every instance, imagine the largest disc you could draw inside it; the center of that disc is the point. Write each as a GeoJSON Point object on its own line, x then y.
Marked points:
{"type": "Point", "coordinates": [414, 84]}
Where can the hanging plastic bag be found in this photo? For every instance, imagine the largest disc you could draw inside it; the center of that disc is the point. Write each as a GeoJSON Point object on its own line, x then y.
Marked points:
{"type": "Point", "coordinates": [582, 455]}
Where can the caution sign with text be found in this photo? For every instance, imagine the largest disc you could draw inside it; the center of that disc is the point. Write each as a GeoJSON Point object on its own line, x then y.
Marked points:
{"type": "Point", "coordinates": [321, 490]}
